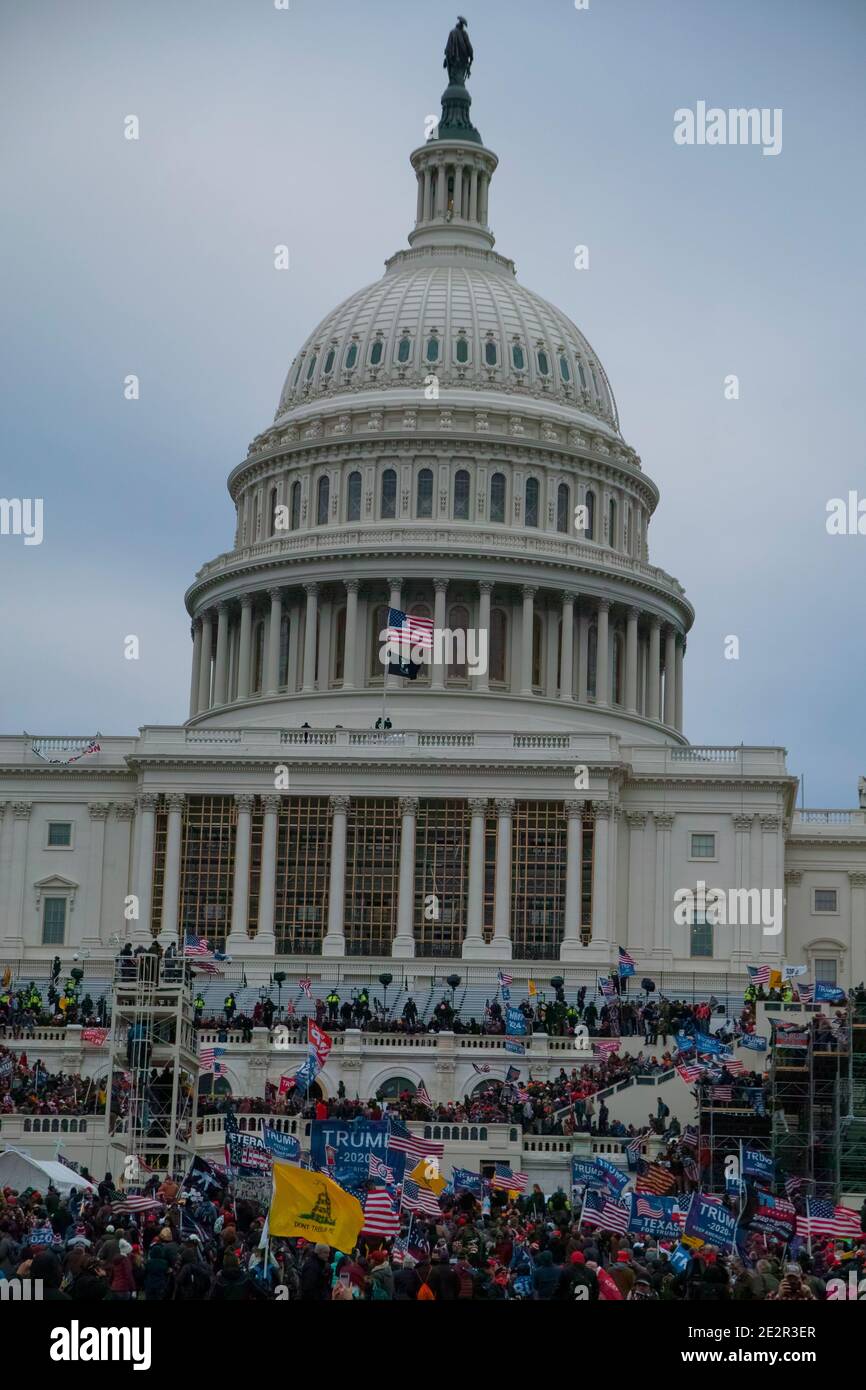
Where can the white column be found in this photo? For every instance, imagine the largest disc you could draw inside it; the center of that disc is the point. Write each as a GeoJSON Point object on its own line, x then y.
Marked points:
{"type": "Point", "coordinates": [204, 680]}
{"type": "Point", "coordinates": [857, 882]}
{"type": "Point", "coordinates": [637, 881]}
{"type": "Point", "coordinates": [502, 910]}
{"type": "Point", "coordinates": [772, 881]}
{"type": "Point", "coordinates": [238, 939]}
{"type": "Point", "coordinates": [473, 196]}
{"type": "Point", "coordinates": [171, 878]}
{"type": "Point", "coordinates": [196, 667]}
{"type": "Point", "coordinates": [566, 663]}
{"type": "Point", "coordinates": [245, 648]}
{"type": "Point", "coordinates": [670, 677]}
{"type": "Point", "coordinates": [334, 943]}
{"type": "Point", "coordinates": [403, 945]}
{"type": "Point", "coordinates": [265, 943]}
{"type": "Point", "coordinates": [14, 924]}
{"type": "Point", "coordinates": [602, 654]}
{"type": "Point", "coordinates": [653, 672]}
{"type": "Point", "coordinates": [583, 654]}
{"type": "Point", "coordinates": [310, 624]}
{"type": "Point", "coordinates": [5, 860]}
{"type": "Point", "coordinates": [526, 634]}
{"type": "Point", "coordinates": [664, 904]}
{"type": "Point", "coordinates": [631, 660]}
{"type": "Point", "coordinates": [326, 612]}
{"type": "Point", "coordinates": [90, 932]}
{"type": "Point", "coordinates": [294, 671]}
{"type": "Point", "coordinates": [681, 647]}
{"type": "Point", "coordinates": [440, 590]}
{"type": "Point", "coordinates": [145, 826]}
{"type": "Point", "coordinates": [221, 665]}
{"type": "Point", "coordinates": [458, 190]}
{"type": "Point", "coordinates": [571, 947]}
{"type": "Point", "coordinates": [272, 677]}
{"type": "Point", "coordinates": [473, 942]}
{"type": "Point", "coordinates": [601, 926]}
{"type": "Point", "coordinates": [550, 681]}
{"type": "Point", "coordinates": [353, 643]}
{"type": "Point", "coordinates": [395, 600]}
{"type": "Point", "coordinates": [485, 589]}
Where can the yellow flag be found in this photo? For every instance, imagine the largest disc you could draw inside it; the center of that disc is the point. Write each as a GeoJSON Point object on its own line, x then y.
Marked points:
{"type": "Point", "coordinates": [775, 979]}
{"type": "Point", "coordinates": [532, 989]}
{"type": "Point", "coordinates": [313, 1206]}
{"type": "Point", "coordinates": [7, 977]}
{"type": "Point", "coordinates": [426, 1174]}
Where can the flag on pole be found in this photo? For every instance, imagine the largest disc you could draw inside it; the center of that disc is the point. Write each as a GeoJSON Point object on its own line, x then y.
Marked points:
{"type": "Point", "coordinates": [422, 1096]}
{"type": "Point", "coordinates": [195, 945]}
{"type": "Point", "coordinates": [759, 974]}
{"type": "Point", "coordinates": [504, 978]}
{"type": "Point", "coordinates": [414, 1146]}
{"type": "Point", "coordinates": [313, 1206]}
{"type": "Point", "coordinates": [207, 1059]}
{"type": "Point", "coordinates": [531, 989]}
{"type": "Point", "coordinates": [381, 1217]}
{"type": "Point", "coordinates": [481, 1068]}
{"type": "Point", "coordinates": [822, 1218]}
{"type": "Point", "coordinates": [626, 963]}
{"type": "Point", "coordinates": [606, 986]}
{"type": "Point", "coordinates": [504, 1178]}
{"type": "Point", "coordinates": [377, 1169]}
{"type": "Point", "coordinates": [605, 1212]}
{"type": "Point", "coordinates": [418, 1198]}
{"type": "Point", "coordinates": [306, 988]}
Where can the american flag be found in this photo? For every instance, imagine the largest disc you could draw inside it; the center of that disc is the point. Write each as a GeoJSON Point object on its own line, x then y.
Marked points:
{"type": "Point", "coordinates": [793, 1185]}
{"type": "Point", "coordinates": [759, 974]}
{"type": "Point", "coordinates": [824, 1219]}
{"type": "Point", "coordinates": [407, 630]}
{"type": "Point", "coordinates": [633, 1148]}
{"type": "Point", "coordinates": [806, 993]}
{"type": "Point", "coordinates": [605, 1048]}
{"type": "Point", "coordinates": [403, 1141]}
{"type": "Point", "coordinates": [482, 1068]}
{"type": "Point", "coordinates": [381, 1217]}
{"type": "Point", "coordinates": [504, 978]}
{"type": "Point", "coordinates": [606, 986]}
{"type": "Point", "coordinates": [94, 1035]}
{"type": "Point", "coordinates": [418, 1198]}
{"type": "Point", "coordinates": [377, 1169]}
{"type": "Point", "coordinates": [207, 1058]}
{"type": "Point", "coordinates": [689, 1137]}
{"type": "Point", "coordinates": [422, 1096]}
{"type": "Point", "coordinates": [644, 1207]}
{"type": "Point", "coordinates": [195, 946]}
{"type": "Point", "coordinates": [504, 1178]}
{"type": "Point", "coordinates": [206, 966]}
{"type": "Point", "coordinates": [691, 1170]}
{"type": "Point", "coordinates": [721, 1093]}
{"type": "Point", "coordinates": [689, 1072]}
{"type": "Point", "coordinates": [735, 1068]}
{"type": "Point", "coordinates": [625, 959]}
{"type": "Point", "coordinates": [133, 1204]}
{"type": "Point", "coordinates": [605, 1213]}
{"type": "Point", "coordinates": [652, 1177]}
{"type": "Point", "coordinates": [306, 988]}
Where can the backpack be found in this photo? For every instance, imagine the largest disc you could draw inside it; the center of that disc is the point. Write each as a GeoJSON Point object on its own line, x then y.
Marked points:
{"type": "Point", "coordinates": [380, 1291]}
{"type": "Point", "coordinates": [425, 1292]}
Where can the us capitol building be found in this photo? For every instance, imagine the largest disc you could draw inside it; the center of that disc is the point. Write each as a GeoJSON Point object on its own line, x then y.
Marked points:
{"type": "Point", "coordinates": [446, 444]}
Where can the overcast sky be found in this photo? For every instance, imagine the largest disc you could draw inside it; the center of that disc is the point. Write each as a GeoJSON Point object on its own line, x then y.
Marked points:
{"type": "Point", "coordinates": [261, 126]}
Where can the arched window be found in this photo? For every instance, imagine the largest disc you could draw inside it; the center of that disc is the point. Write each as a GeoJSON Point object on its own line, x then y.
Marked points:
{"type": "Point", "coordinates": [497, 497]}
{"type": "Point", "coordinates": [461, 495]}
{"type": "Point", "coordinates": [530, 517]}
{"type": "Point", "coordinates": [323, 493]}
{"type": "Point", "coordinates": [394, 1087]}
{"type": "Point", "coordinates": [462, 352]}
{"type": "Point", "coordinates": [295, 507]}
{"type": "Point", "coordinates": [498, 642]}
{"type": "Point", "coordinates": [340, 645]}
{"type": "Point", "coordinates": [537, 650]}
{"type": "Point", "coordinates": [298, 372]}
{"type": "Point", "coordinates": [312, 367]}
{"type": "Point", "coordinates": [258, 656]}
{"type": "Point", "coordinates": [376, 353]}
{"type": "Point", "coordinates": [611, 523]}
{"type": "Point", "coordinates": [351, 356]}
{"type": "Point", "coordinates": [353, 496]}
{"type": "Point", "coordinates": [458, 622]}
{"type": "Point", "coordinates": [389, 495]}
{"type": "Point", "coordinates": [582, 374]}
{"type": "Point", "coordinates": [517, 357]}
{"type": "Point", "coordinates": [212, 1085]}
{"type": "Point", "coordinates": [380, 623]}
{"type": "Point", "coordinates": [563, 507]}
{"type": "Point", "coordinates": [491, 353]}
{"type": "Point", "coordinates": [329, 362]}
{"type": "Point", "coordinates": [589, 502]}
{"type": "Point", "coordinates": [404, 349]}
{"type": "Point", "coordinates": [617, 669]}
{"type": "Point", "coordinates": [272, 512]}
{"type": "Point", "coordinates": [432, 349]}
{"type": "Point", "coordinates": [564, 369]}
{"type": "Point", "coordinates": [543, 362]}
{"type": "Point", "coordinates": [424, 493]}
{"type": "Point", "coordinates": [591, 660]}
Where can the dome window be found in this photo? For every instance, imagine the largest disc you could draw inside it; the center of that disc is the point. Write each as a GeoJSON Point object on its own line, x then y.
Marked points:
{"type": "Point", "coordinates": [594, 379]}
{"type": "Point", "coordinates": [491, 355]}
{"type": "Point", "coordinates": [497, 497]}
{"type": "Point", "coordinates": [404, 349]}
{"type": "Point", "coordinates": [531, 510]}
{"type": "Point", "coordinates": [295, 507]}
{"type": "Point", "coordinates": [322, 497]}
{"type": "Point", "coordinates": [462, 353]}
{"type": "Point", "coordinates": [432, 349]}
{"type": "Point", "coordinates": [589, 503]}
{"type": "Point", "coordinates": [329, 362]}
{"type": "Point", "coordinates": [353, 508]}
{"type": "Point", "coordinates": [298, 372]}
{"type": "Point", "coordinates": [351, 357]}
{"type": "Point", "coordinates": [518, 357]}
{"type": "Point", "coordinates": [564, 370]}
{"type": "Point", "coordinates": [543, 361]}
{"type": "Point", "coordinates": [563, 507]}
{"type": "Point", "coordinates": [312, 366]}
{"type": "Point", "coordinates": [376, 354]}
{"type": "Point", "coordinates": [424, 494]}
{"type": "Point", "coordinates": [582, 375]}
{"type": "Point", "coordinates": [461, 495]}
{"type": "Point", "coordinates": [389, 495]}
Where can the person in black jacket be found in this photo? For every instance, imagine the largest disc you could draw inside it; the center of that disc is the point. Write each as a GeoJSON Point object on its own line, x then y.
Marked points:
{"type": "Point", "coordinates": [316, 1275]}
{"type": "Point", "coordinates": [442, 1279]}
{"type": "Point", "coordinates": [406, 1280]}
{"type": "Point", "coordinates": [232, 1284]}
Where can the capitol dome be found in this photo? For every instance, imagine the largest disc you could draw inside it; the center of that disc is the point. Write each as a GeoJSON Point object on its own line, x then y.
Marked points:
{"type": "Point", "coordinates": [446, 448]}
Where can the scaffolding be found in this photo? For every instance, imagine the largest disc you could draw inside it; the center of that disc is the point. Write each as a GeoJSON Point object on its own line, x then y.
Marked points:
{"type": "Point", "coordinates": [852, 1145]}
{"type": "Point", "coordinates": [153, 1054]}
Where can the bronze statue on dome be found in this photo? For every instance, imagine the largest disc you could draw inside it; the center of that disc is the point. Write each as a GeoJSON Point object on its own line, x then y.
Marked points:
{"type": "Point", "coordinates": [458, 52]}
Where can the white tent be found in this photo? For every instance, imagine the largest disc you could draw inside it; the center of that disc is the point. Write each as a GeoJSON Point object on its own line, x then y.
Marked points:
{"type": "Point", "coordinates": [19, 1169]}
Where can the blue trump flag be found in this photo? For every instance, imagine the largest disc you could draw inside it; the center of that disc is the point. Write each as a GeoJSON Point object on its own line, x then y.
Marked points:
{"type": "Point", "coordinates": [653, 1215]}
{"type": "Point", "coordinates": [283, 1147]}
{"type": "Point", "coordinates": [757, 1164]}
{"type": "Point", "coordinates": [754, 1041]}
{"type": "Point", "coordinates": [466, 1181]}
{"type": "Point", "coordinates": [710, 1222]}
{"type": "Point", "coordinates": [515, 1023]}
{"type": "Point", "coordinates": [829, 994]}
{"type": "Point", "coordinates": [598, 1172]}
{"type": "Point", "coordinates": [352, 1142]}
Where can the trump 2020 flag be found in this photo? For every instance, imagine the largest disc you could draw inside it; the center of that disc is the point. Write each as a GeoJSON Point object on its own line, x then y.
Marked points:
{"type": "Point", "coordinates": [313, 1206]}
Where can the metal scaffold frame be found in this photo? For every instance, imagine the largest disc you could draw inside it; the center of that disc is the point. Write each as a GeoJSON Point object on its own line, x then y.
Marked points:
{"type": "Point", "coordinates": [152, 1030]}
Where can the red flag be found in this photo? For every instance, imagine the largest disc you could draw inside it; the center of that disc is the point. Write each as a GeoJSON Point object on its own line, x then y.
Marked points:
{"type": "Point", "coordinates": [319, 1041]}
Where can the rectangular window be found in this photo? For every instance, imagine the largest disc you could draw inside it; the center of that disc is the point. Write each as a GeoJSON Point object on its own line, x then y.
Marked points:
{"type": "Point", "coordinates": [702, 937]}
{"type": "Point", "coordinates": [53, 921]}
{"type": "Point", "coordinates": [60, 834]}
{"type": "Point", "coordinates": [703, 847]}
{"type": "Point", "coordinates": [825, 972]}
{"type": "Point", "coordinates": [825, 900]}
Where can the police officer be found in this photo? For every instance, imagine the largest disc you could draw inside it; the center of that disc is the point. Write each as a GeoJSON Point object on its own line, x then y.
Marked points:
{"type": "Point", "coordinates": [229, 1006]}
{"type": "Point", "coordinates": [332, 1000]}
{"type": "Point", "coordinates": [198, 1007]}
